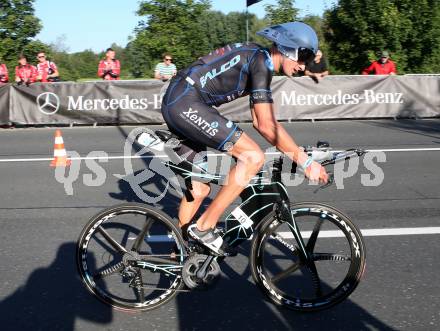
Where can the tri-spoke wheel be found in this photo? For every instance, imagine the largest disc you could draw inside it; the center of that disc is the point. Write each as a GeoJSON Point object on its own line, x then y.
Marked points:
{"type": "Point", "coordinates": [332, 272]}
{"type": "Point", "coordinates": [131, 257]}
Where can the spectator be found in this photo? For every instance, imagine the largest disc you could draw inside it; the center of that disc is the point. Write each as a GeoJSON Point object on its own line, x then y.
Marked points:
{"type": "Point", "coordinates": [383, 66]}
{"type": "Point", "coordinates": [4, 76]}
{"type": "Point", "coordinates": [317, 69]}
{"type": "Point", "coordinates": [165, 70]}
{"type": "Point", "coordinates": [110, 68]}
{"type": "Point", "coordinates": [24, 72]}
{"type": "Point", "coordinates": [47, 71]}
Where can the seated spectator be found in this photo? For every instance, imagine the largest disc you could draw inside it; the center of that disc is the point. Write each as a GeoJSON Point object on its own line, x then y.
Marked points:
{"type": "Point", "coordinates": [110, 68]}
{"type": "Point", "coordinates": [4, 76]}
{"type": "Point", "coordinates": [317, 69]}
{"type": "Point", "coordinates": [383, 66]}
{"type": "Point", "coordinates": [47, 70]}
{"type": "Point", "coordinates": [24, 72]}
{"type": "Point", "coordinates": [165, 70]}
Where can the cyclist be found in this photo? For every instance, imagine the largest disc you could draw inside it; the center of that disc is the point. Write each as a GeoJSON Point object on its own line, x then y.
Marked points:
{"type": "Point", "coordinates": [225, 74]}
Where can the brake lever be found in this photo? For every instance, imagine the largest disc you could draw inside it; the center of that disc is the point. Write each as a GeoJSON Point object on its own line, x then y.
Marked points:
{"type": "Point", "coordinates": [331, 179]}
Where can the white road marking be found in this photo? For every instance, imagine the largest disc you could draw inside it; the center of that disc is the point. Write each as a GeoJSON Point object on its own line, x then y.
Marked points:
{"type": "Point", "coordinates": [122, 157]}
{"type": "Point", "coordinates": [332, 234]}
{"type": "Point", "coordinates": [370, 232]}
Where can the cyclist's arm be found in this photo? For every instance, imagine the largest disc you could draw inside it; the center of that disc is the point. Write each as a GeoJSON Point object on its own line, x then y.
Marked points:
{"type": "Point", "coordinates": [267, 125]}
{"type": "Point", "coordinates": [265, 122]}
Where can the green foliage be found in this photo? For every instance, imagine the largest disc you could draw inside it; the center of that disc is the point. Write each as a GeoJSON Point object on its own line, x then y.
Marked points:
{"type": "Point", "coordinates": [172, 26]}
{"type": "Point", "coordinates": [255, 25]}
{"type": "Point", "coordinates": [283, 12]}
{"type": "Point", "coordinates": [410, 29]}
{"type": "Point", "coordinates": [220, 29]}
{"type": "Point", "coordinates": [85, 63]}
{"type": "Point", "coordinates": [33, 48]}
{"type": "Point", "coordinates": [351, 34]}
{"type": "Point", "coordinates": [18, 26]}
{"type": "Point", "coordinates": [67, 70]}
{"type": "Point", "coordinates": [204, 30]}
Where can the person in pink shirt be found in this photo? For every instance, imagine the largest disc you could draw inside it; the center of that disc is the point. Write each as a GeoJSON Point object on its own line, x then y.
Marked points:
{"type": "Point", "coordinates": [24, 72]}
{"type": "Point", "coordinates": [47, 70]}
{"type": "Point", "coordinates": [4, 75]}
{"type": "Point", "coordinates": [110, 68]}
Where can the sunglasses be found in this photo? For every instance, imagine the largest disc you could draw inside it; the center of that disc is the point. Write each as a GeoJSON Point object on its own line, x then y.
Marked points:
{"type": "Point", "coordinates": [168, 59]}
{"type": "Point", "coordinates": [297, 54]}
{"type": "Point", "coordinates": [42, 56]}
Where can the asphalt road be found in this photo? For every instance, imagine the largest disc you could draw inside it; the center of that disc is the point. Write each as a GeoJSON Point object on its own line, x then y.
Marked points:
{"type": "Point", "coordinates": [40, 222]}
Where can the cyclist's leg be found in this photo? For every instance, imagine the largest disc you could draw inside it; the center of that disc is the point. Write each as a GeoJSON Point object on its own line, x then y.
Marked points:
{"type": "Point", "coordinates": [250, 159]}
{"type": "Point", "coordinates": [194, 153]}
{"type": "Point", "coordinates": [188, 209]}
{"type": "Point", "coordinates": [191, 117]}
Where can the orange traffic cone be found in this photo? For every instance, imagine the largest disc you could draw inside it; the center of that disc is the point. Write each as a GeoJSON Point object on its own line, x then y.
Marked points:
{"type": "Point", "coordinates": [60, 156]}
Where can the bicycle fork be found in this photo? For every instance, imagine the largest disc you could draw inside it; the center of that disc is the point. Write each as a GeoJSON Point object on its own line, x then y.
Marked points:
{"type": "Point", "coordinates": [286, 215]}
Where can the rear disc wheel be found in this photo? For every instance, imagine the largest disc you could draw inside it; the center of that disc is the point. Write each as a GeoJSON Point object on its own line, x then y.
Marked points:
{"type": "Point", "coordinates": [131, 257]}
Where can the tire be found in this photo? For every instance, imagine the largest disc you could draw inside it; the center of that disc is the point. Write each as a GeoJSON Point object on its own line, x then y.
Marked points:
{"type": "Point", "coordinates": [130, 257]}
{"type": "Point", "coordinates": [336, 267]}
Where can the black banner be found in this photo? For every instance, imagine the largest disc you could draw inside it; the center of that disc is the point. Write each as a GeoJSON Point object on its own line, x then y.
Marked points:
{"type": "Point", "coordinates": [83, 103]}
{"type": "Point", "coordinates": [4, 104]}
{"type": "Point", "coordinates": [131, 102]}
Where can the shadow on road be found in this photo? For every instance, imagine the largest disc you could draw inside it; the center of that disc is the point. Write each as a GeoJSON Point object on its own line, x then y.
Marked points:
{"type": "Point", "coordinates": [236, 303]}
{"type": "Point", "coordinates": [152, 188]}
{"type": "Point", "coordinates": [427, 128]}
{"type": "Point", "coordinates": [53, 298]}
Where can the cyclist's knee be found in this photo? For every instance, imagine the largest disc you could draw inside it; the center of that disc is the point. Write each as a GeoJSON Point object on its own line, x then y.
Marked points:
{"type": "Point", "coordinates": [200, 190]}
{"type": "Point", "coordinates": [247, 151]}
{"type": "Point", "coordinates": [253, 159]}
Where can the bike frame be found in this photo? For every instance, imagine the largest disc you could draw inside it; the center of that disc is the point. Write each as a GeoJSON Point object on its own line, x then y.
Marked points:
{"type": "Point", "coordinates": [265, 192]}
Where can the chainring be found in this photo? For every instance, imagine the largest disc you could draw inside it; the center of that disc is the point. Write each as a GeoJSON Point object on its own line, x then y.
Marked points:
{"type": "Point", "coordinates": [189, 273]}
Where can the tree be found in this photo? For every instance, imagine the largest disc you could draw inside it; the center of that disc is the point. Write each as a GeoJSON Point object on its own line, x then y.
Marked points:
{"type": "Point", "coordinates": [410, 29]}
{"type": "Point", "coordinates": [18, 26]}
{"type": "Point", "coordinates": [85, 63]}
{"type": "Point", "coordinates": [187, 29]}
{"type": "Point", "coordinates": [172, 26]}
{"type": "Point", "coordinates": [422, 43]}
{"type": "Point", "coordinates": [220, 29]}
{"type": "Point", "coordinates": [63, 60]}
{"type": "Point", "coordinates": [283, 12]}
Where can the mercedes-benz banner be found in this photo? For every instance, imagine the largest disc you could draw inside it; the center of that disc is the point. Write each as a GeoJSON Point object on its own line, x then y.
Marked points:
{"type": "Point", "coordinates": [294, 98]}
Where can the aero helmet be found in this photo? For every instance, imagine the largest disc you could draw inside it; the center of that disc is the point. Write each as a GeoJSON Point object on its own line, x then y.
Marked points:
{"type": "Point", "coordinates": [295, 40]}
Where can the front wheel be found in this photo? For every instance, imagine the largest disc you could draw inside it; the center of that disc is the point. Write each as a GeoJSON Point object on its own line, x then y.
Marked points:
{"type": "Point", "coordinates": [331, 273]}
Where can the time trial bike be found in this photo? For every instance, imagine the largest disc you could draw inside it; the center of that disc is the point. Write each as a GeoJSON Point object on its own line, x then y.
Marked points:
{"type": "Point", "coordinates": [304, 256]}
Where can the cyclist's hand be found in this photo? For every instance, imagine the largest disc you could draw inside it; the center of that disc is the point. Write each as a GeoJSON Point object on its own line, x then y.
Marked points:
{"type": "Point", "coordinates": [317, 173]}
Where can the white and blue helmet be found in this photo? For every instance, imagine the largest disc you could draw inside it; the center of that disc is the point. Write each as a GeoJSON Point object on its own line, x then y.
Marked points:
{"type": "Point", "coordinates": [295, 40]}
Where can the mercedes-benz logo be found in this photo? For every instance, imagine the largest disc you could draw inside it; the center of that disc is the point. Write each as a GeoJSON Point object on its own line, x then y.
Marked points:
{"type": "Point", "coordinates": [48, 103]}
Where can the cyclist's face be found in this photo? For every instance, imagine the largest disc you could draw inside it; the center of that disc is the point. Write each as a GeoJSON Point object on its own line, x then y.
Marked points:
{"type": "Point", "coordinates": [291, 67]}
